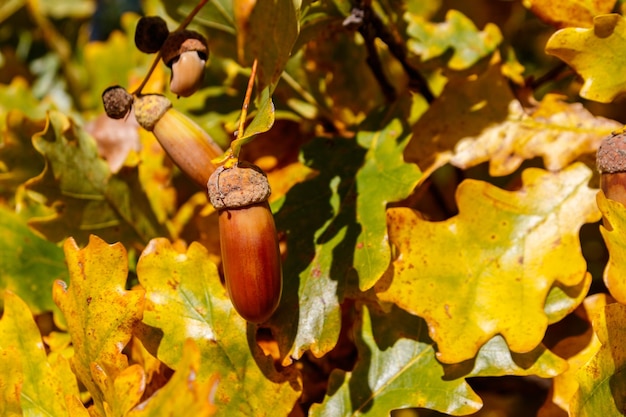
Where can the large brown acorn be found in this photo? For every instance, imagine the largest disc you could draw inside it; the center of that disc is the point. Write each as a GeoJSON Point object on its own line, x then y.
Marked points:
{"type": "Point", "coordinates": [248, 239]}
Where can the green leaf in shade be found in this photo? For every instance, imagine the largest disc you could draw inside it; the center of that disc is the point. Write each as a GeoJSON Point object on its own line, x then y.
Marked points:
{"type": "Point", "coordinates": [267, 32]}
{"type": "Point", "coordinates": [184, 391]}
{"type": "Point", "coordinates": [77, 183]}
{"type": "Point", "coordinates": [602, 385]}
{"type": "Point", "coordinates": [186, 300]}
{"type": "Point", "coordinates": [495, 359]}
{"type": "Point", "coordinates": [594, 54]}
{"type": "Point", "coordinates": [474, 276]}
{"type": "Point", "coordinates": [19, 161]}
{"type": "Point", "coordinates": [384, 178]}
{"type": "Point", "coordinates": [29, 265]}
{"type": "Point", "coordinates": [458, 32]}
{"type": "Point", "coordinates": [33, 386]}
{"type": "Point", "coordinates": [319, 219]}
{"type": "Point", "coordinates": [396, 368]}
{"type": "Point", "coordinates": [614, 216]}
{"type": "Point", "coordinates": [101, 316]}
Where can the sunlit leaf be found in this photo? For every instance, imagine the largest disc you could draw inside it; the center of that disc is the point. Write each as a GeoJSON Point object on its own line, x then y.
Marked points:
{"type": "Point", "coordinates": [596, 54]}
{"type": "Point", "coordinates": [33, 385]}
{"type": "Point", "coordinates": [563, 13]}
{"type": "Point", "coordinates": [185, 300]}
{"type": "Point", "coordinates": [602, 386]}
{"type": "Point", "coordinates": [183, 391]}
{"type": "Point", "coordinates": [319, 219]}
{"type": "Point", "coordinates": [384, 178]}
{"type": "Point", "coordinates": [467, 283]}
{"type": "Point", "coordinates": [262, 122]}
{"type": "Point", "coordinates": [614, 215]}
{"type": "Point", "coordinates": [397, 368]}
{"type": "Point", "coordinates": [429, 40]}
{"type": "Point", "coordinates": [578, 346]}
{"type": "Point", "coordinates": [100, 314]}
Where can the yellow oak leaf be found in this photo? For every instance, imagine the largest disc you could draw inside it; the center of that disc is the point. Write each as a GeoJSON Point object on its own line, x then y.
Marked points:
{"type": "Point", "coordinates": [601, 384]}
{"type": "Point", "coordinates": [614, 215]}
{"type": "Point", "coordinates": [578, 346]}
{"type": "Point", "coordinates": [574, 13]}
{"type": "Point", "coordinates": [100, 313]}
{"type": "Point", "coordinates": [596, 54]}
{"type": "Point", "coordinates": [488, 270]}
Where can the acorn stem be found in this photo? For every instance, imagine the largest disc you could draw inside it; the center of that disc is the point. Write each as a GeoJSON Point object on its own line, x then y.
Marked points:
{"type": "Point", "coordinates": [244, 107]}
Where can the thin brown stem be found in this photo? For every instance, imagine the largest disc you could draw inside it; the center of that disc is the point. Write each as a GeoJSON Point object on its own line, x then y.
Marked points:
{"type": "Point", "coordinates": [246, 103]}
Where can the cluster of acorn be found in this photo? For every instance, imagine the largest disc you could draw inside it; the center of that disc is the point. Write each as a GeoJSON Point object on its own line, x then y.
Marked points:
{"type": "Point", "coordinates": [239, 191]}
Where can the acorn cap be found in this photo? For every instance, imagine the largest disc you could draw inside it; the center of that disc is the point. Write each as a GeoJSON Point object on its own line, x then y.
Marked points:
{"type": "Point", "coordinates": [241, 185]}
{"type": "Point", "coordinates": [149, 109]}
{"type": "Point", "coordinates": [183, 41]}
{"type": "Point", "coordinates": [117, 102]}
{"type": "Point", "coordinates": [611, 156]}
{"type": "Point", "coordinates": [150, 34]}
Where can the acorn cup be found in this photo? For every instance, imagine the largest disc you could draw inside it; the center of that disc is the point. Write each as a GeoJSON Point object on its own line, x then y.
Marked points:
{"type": "Point", "coordinates": [190, 147]}
{"type": "Point", "coordinates": [248, 240]}
{"type": "Point", "coordinates": [186, 53]}
{"type": "Point", "coordinates": [611, 162]}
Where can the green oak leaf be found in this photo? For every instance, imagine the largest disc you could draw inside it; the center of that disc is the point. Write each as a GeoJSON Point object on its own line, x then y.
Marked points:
{"type": "Point", "coordinates": [397, 368]}
{"type": "Point", "coordinates": [458, 32]}
{"type": "Point", "coordinates": [383, 178]}
{"type": "Point", "coordinates": [186, 300]}
{"type": "Point", "coordinates": [29, 265]}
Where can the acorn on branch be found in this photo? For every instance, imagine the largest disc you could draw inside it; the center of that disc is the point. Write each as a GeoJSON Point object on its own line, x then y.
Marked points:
{"type": "Point", "coordinates": [189, 146]}
{"type": "Point", "coordinates": [249, 243]}
{"type": "Point", "coordinates": [611, 162]}
{"type": "Point", "coordinates": [186, 53]}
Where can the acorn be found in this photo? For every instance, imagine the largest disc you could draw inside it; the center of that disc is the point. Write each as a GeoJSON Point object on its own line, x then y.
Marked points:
{"type": "Point", "coordinates": [150, 34]}
{"type": "Point", "coordinates": [187, 144]}
{"type": "Point", "coordinates": [611, 162]}
{"type": "Point", "coordinates": [186, 53]}
{"type": "Point", "coordinates": [248, 240]}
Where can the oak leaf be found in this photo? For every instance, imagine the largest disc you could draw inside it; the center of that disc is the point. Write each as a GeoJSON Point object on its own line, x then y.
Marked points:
{"type": "Point", "coordinates": [489, 269]}
{"type": "Point", "coordinates": [564, 13]}
{"type": "Point", "coordinates": [614, 216]}
{"type": "Point", "coordinates": [186, 300]}
{"type": "Point", "coordinates": [101, 315]}
{"type": "Point", "coordinates": [596, 54]}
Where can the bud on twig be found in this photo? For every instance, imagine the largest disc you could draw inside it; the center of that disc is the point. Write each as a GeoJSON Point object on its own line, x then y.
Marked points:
{"type": "Point", "coordinates": [249, 244]}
